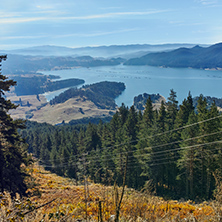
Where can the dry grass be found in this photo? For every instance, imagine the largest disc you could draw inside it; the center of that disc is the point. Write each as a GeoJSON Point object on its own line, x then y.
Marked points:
{"type": "Point", "coordinates": [75, 108]}
{"type": "Point", "coordinates": [21, 111]}
{"type": "Point", "coordinates": [76, 203]}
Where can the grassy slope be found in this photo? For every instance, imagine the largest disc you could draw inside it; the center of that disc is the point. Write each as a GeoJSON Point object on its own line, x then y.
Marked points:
{"type": "Point", "coordinates": [54, 114]}
{"type": "Point", "coordinates": [69, 110]}
{"type": "Point", "coordinates": [21, 111]}
{"type": "Point", "coordinates": [69, 203]}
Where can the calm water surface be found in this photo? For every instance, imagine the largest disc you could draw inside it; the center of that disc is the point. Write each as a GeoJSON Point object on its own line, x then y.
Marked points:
{"type": "Point", "coordinates": [148, 79]}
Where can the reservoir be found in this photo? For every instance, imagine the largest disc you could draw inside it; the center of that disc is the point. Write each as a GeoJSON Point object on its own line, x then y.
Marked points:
{"type": "Point", "coordinates": [148, 79]}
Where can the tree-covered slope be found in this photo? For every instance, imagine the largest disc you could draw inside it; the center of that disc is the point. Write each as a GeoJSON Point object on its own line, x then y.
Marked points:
{"type": "Point", "coordinates": [196, 57]}
{"type": "Point", "coordinates": [174, 151]}
{"type": "Point", "coordinates": [38, 84]}
{"type": "Point", "coordinates": [102, 94]}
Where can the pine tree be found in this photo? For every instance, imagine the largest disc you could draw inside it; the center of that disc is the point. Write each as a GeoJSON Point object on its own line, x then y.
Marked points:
{"type": "Point", "coordinates": [158, 156]}
{"type": "Point", "coordinates": [212, 153]}
{"type": "Point", "coordinates": [184, 112]}
{"type": "Point", "coordinates": [130, 139]}
{"type": "Point", "coordinates": [171, 168]}
{"type": "Point", "coordinates": [203, 114]}
{"type": "Point", "coordinates": [106, 157]}
{"type": "Point", "coordinates": [187, 162]}
{"type": "Point", "coordinates": [144, 134]}
{"type": "Point", "coordinates": [12, 152]}
{"type": "Point", "coordinates": [172, 108]}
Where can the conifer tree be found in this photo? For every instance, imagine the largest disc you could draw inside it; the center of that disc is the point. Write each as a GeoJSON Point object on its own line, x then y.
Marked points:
{"type": "Point", "coordinates": [172, 112]}
{"type": "Point", "coordinates": [144, 134]}
{"type": "Point", "coordinates": [106, 157]}
{"type": "Point", "coordinates": [158, 156]}
{"type": "Point", "coordinates": [12, 152]}
{"type": "Point", "coordinates": [203, 151]}
{"type": "Point", "coordinates": [187, 162]}
{"type": "Point", "coordinates": [130, 140]}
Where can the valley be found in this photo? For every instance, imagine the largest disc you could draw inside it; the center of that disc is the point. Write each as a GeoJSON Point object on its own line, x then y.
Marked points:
{"type": "Point", "coordinates": [110, 111]}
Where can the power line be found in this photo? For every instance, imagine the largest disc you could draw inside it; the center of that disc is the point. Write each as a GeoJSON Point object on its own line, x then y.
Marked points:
{"type": "Point", "coordinates": [155, 135]}
{"type": "Point", "coordinates": [143, 155]}
{"type": "Point", "coordinates": [147, 148]}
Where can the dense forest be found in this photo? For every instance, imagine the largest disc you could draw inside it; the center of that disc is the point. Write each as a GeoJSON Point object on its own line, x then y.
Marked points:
{"type": "Point", "coordinates": [39, 84]}
{"type": "Point", "coordinates": [102, 94]}
{"type": "Point", "coordinates": [176, 149]}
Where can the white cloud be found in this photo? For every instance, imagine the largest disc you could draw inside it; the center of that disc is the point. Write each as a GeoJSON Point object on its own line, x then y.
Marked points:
{"type": "Point", "coordinates": [14, 18]}
{"type": "Point", "coordinates": [20, 20]}
{"type": "Point", "coordinates": [23, 37]}
{"type": "Point", "coordinates": [95, 33]}
{"type": "Point", "coordinates": [208, 2]}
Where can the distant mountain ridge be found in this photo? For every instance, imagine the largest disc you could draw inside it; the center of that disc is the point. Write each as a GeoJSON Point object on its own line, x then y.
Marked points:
{"type": "Point", "coordinates": [196, 57]}
{"type": "Point", "coordinates": [125, 51]}
{"type": "Point", "coordinates": [19, 64]}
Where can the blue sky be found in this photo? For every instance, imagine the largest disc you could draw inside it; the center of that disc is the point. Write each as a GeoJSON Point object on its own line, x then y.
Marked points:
{"type": "Point", "coordinates": [71, 23]}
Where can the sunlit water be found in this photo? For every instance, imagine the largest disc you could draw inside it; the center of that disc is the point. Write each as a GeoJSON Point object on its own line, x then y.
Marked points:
{"type": "Point", "coordinates": [148, 79]}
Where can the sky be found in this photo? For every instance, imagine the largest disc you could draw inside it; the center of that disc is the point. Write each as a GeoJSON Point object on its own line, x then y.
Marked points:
{"type": "Point", "coordinates": [72, 23]}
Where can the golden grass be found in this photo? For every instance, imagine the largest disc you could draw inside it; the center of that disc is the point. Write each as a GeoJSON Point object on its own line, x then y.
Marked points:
{"type": "Point", "coordinates": [72, 203]}
{"type": "Point", "coordinates": [69, 110]}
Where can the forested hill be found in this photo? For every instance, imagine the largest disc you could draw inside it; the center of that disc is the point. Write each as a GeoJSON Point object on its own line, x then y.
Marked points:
{"type": "Point", "coordinates": [102, 94]}
{"type": "Point", "coordinates": [38, 84]}
{"type": "Point", "coordinates": [196, 57]}
{"type": "Point", "coordinates": [177, 152]}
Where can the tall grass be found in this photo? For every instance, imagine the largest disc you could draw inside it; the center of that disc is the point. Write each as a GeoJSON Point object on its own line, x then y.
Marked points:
{"type": "Point", "coordinates": [61, 200]}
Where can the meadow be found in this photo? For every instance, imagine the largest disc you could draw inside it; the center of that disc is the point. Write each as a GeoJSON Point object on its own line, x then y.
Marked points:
{"type": "Point", "coordinates": [55, 198]}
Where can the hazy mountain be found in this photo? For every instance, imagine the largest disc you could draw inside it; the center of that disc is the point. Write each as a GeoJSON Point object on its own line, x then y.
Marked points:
{"type": "Point", "coordinates": [19, 64]}
{"type": "Point", "coordinates": [124, 51]}
{"type": "Point", "coordinates": [196, 57]}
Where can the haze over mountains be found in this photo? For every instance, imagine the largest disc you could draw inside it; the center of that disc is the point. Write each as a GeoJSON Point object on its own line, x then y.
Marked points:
{"type": "Point", "coordinates": [196, 57]}
{"type": "Point", "coordinates": [124, 51]}
{"type": "Point", "coordinates": [31, 60]}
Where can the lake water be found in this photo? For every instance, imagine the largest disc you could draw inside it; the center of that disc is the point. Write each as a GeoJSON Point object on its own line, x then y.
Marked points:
{"type": "Point", "coordinates": [148, 79]}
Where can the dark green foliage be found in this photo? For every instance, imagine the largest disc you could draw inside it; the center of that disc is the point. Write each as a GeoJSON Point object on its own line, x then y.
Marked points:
{"type": "Point", "coordinates": [39, 84]}
{"type": "Point", "coordinates": [93, 120]}
{"type": "Point", "coordinates": [177, 149]}
{"type": "Point", "coordinates": [196, 57]}
{"type": "Point", "coordinates": [210, 101]}
{"type": "Point", "coordinates": [12, 147]}
{"type": "Point", "coordinates": [102, 94]}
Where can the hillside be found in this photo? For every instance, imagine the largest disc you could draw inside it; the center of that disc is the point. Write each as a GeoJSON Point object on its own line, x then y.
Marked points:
{"type": "Point", "coordinates": [56, 198]}
{"type": "Point", "coordinates": [96, 101]}
{"type": "Point", "coordinates": [196, 57]}
{"type": "Point", "coordinates": [39, 84]}
{"type": "Point", "coordinates": [73, 109]}
{"type": "Point", "coordinates": [102, 94]}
